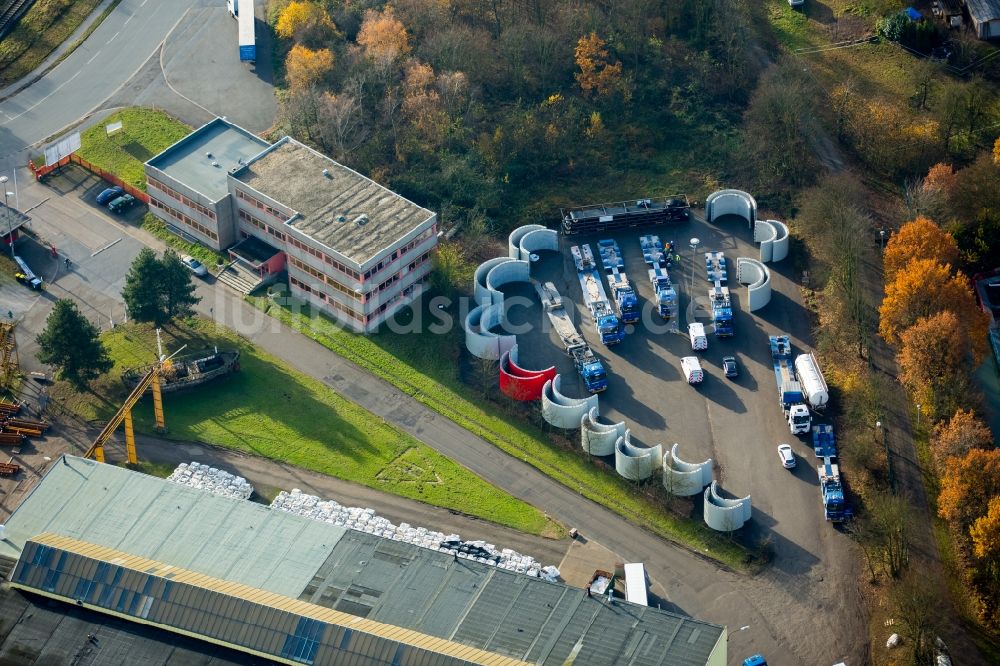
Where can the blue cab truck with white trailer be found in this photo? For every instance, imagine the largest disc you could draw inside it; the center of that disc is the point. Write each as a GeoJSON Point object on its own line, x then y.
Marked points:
{"type": "Point", "coordinates": [831, 485]}
{"type": "Point", "coordinates": [789, 390]}
{"type": "Point", "coordinates": [609, 327]}
{"type": "Point", "coordinates": [718, 295]}
{"type": "Point", "coordinates": [587, 364]}
{"type": "Point", "coordinates": [626, 301]}
{"type": "Point", "coordinates": [666, 297]}
{"type": "Point", "coordinates": [246, 27]}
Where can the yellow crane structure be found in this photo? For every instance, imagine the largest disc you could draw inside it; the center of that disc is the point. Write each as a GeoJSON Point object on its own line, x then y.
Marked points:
{"type": "Point", "coordinates": [124, 414]}
{"type": "Point", "coordinates": [8, 355]}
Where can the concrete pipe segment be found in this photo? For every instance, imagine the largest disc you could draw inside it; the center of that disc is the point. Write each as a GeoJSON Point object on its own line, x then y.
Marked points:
{"type": "Point", "coordinates": [757, 278]}
{"type": "Point", "coordinates": [521, 384]}
{"type": "Point", "coordinates": [722, 514]}
{"type": "Point", "coordinates": [536, 240]}
{"type": "Point", "coordinates": [479, 339]}
{"type": "Point", "coordinates": [483, 293]}
{"type": "Point", "coordinates": [773, 238]}
{"type": "Point", "coordinates": [516, 249]}
{"type": "Point", "coordinates": [683, 478]}
{"type": "Point", "coordinates": [731, 202]}
{"type": "Point", "coordinates": [598, 439]}
{"type": "Point", "coordinates": [562, 411]}
{"type": "Point", "coordinates": [636, 463]}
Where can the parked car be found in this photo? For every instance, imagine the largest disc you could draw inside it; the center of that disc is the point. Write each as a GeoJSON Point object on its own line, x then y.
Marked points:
{"type": "Point", "coordinates": [196, 266]}
{"type": "Point", "coordinates": [786, 455]}
{"type": "Point", "coordinates": [121, 204]}
{"type": "Point", "coordinates": [109, 195]}
{"type": "Point", "coordinates": [729, 366]}
{"type": "Point", "coordinates": [756, 660]}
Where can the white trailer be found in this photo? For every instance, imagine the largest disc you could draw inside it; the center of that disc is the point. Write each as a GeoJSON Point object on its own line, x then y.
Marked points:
{"type": "Point", "coordinates": [696, 331]}
{"type": "Point", "coordinates": [635, 583]}
{"type": "Point", "coordinates": [814, 387]}
{"type": "Point", "coordinates": [691, 367]}
{"type": "Point", "coordinates": [247, 29]}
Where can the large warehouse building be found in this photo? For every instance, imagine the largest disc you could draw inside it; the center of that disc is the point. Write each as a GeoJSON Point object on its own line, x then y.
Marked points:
{"type": "Point", "coordinates": [298, 591]}
{"type": "Point", "coordinates": [350, 246]}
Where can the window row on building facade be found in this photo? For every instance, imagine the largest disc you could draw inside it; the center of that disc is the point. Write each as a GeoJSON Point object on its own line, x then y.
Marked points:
{"type": "Point", "coordinates": [183, 219]}
{"type": "Point", "coordinates": [194, 205]}
{"type": "Point", "coordinates": [260, 205]}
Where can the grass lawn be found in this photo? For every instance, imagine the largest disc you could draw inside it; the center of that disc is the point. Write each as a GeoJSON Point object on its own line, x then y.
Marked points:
{"type": "Point", "coordinates": [146, 132]}
{"type": "Point", "coordinates": [44, 27]}
{"type": "Point", "coordinates": [270, 410]}
{"type": "Point", "coordinates": [423, 366]}
{"type": "Point", "coordinates": [205, 255]}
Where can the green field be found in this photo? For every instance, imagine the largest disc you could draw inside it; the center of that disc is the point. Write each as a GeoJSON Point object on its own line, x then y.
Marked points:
{"type": "Point", "coordinates": [44, 27]}
{"type": "Point", "coordinates": [269, 410]}
{"type": "Point", "coordinates": [145, 133]}
{"type": "Point", "coordinates": [417, 365]}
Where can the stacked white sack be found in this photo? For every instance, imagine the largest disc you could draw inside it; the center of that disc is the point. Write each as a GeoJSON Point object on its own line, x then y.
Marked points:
{"type": "Point", "coordinates": [210, 479]}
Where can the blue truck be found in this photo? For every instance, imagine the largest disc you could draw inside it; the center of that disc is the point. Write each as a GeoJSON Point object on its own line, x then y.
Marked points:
{"type": "Point", "coordinates": [722, 310]}
{"type": "Point", "coordinates": [832, 490]}
{"type": "Point", "coordinates": [622, 293]}
{"type": "Point", "coordinates": [588, 366]}
{"type": "Point", "coordinates": [609, 327]}
{"type": "Point", "coordinates": [666, 296]}
{"type": "Point", "coordinates": [789, 390]}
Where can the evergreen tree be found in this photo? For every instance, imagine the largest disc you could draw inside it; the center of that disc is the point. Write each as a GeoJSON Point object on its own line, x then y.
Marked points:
{"type": "Point", "coordinates": [177, 288]}
{"type": "Point", "coordinates": [142, 289]}
{"type": "Point", "coordinates": [71, 344]}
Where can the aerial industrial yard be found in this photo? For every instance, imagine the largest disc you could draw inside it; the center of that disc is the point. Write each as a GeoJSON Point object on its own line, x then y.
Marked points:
{"type": "Point", "coordinates": [423, 333]}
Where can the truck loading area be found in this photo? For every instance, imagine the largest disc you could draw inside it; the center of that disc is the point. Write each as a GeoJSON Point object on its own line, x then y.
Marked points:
{"type": "Point", "coordinates": [735, 422]}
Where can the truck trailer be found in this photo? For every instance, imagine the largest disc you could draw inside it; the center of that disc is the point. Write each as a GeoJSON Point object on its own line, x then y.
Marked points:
{"type": "Point", "coordinates": [609, 327]}
{"type": "Point", "coordinates": [589, 367]}
{"type": "Point", "coordinates": [666, 296]}
{"type": "Point", "coordinates": [623, 215]}
{"type": "Point", "coordinates": [243, 11]}
{"type": "Point", "coordinates": [789, 390]}
{"type": "Point", "coordinates": [715, 267]}
{"type": "Point", "coordinates": [816, 391]}
{"type": "Point", "coordinates": [722, 310]}
{"type": "Point", "coordinates": [624, 296]}
{"type": "Point", "coordinates": [655, 253]}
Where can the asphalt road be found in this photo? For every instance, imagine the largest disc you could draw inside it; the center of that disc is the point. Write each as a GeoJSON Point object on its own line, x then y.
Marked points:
{"type": "Point", "coordinates": [95, 70]}
{"type": "Point", "coordinates": [801, 610]}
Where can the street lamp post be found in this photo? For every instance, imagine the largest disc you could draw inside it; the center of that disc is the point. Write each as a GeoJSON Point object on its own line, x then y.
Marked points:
{"type": "Point", "coordinates": [881, 239]}
{"type": "Point", "coordinates": [918, 414]}
{"type": "Point", "coordinates": [6, 211]}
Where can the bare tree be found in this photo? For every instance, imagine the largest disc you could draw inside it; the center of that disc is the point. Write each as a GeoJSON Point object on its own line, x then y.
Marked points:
{"type": "Point", "coordinates": [916, 608]}
{"type": "Point", "coordinates": [341, 124]}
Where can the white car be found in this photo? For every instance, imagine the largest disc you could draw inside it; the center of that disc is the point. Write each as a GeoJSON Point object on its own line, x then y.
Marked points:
{"type": "Point", "coordinates": [786, 455]}
{"type": "Point", "coordinates": [196, 266]}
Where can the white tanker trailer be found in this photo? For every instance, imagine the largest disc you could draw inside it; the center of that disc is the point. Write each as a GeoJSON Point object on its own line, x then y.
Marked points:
{"type": "Point", "coordinates": [814, 387]}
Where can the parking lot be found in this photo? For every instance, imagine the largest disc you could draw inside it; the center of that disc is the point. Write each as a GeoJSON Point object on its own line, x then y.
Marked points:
{"type": "Point", "coordinates": [736, 422]}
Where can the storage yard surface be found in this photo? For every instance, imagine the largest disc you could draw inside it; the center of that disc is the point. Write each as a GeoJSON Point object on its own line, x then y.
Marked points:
{"type": "Point", "coordinates": [737, 423]}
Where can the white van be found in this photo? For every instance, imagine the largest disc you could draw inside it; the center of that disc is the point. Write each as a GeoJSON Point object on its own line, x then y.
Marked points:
{"type": "Point", "coordinates": [698, 340]}
{"type": "Point", "coordinates": [691, 367]}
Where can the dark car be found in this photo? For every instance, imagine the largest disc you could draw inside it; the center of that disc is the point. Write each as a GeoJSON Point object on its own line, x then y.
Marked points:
{"type": "Point", "coordinates": [122, 203]}
{"type": "Point", "coordinates": [729, 366]}
{"type": "Point", "coordinates": [109, 195]}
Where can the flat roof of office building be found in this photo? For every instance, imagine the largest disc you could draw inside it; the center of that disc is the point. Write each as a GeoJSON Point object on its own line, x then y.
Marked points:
{"type": "Point", "coordinates": [336, 205]}
{"type": "Point", "coordinates": [323, 567]}
{"type": "Point", "coordinates": [203, 159]}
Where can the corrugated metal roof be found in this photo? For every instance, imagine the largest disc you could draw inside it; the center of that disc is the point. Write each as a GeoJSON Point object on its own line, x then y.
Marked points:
{"type": "Point", "coordinates": [984, 10]}
{"type": "Point", "coordinates": [232, 539]}
{"type": "Point", "coordinates": [226, 544]}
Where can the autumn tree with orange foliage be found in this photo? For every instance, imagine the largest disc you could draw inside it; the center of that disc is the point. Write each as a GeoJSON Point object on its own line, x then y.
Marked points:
{"type": "Point", "coordinates": [924, 288]}
{"type": "Point", "coordinates": [958, 435]}
{"type": "Point", "coordinates": [934, 363]}
{"type": "Point", "coordinates": [918, 239]}
{"type": "Point", "coordinates": [597, 75]}
{"type": "Point", "coordinates": [967, 485]}
{"type": "Point", "coordinates": [985, 535]}
{"type": "Point", "coordinates": [941, 179]}
{"type": "Point", "coordinates": [305, 67]}
{"type": "Point", "coordinates": [383, 37]}
{"type": "Point", "coordinates": [985, 532]}
{"type": "Point", "coordinates": [299, 17]}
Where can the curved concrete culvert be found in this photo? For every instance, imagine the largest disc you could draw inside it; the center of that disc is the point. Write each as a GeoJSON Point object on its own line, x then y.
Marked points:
{"type": "Point", "coordinates": [598, 439]}
{"type": "Point", "coordinates": [683, 478]}
{"type": "Point", "coordinates": [723, 514]}
{"type": "Point", "coordinates": [521, 384]}
{"type": "Point", "coordinates": [514, 250]}
{"type": "Point", "coordinates": [757, 278]}
{"type": "Point", "coordinates": [636, 463]}
{"type": "Point", "coordinates": [538, 240]}
{"type": "Point", "coordinates": [562, 411]}
{"type": "Point", "coordinates": [731, 202]}
{"type": "Point", "coordinates": [483, 294]}
{"type": "Point", "coordinates": [479, 339]}
{"type": "Point", "coordinates": [765, 233]}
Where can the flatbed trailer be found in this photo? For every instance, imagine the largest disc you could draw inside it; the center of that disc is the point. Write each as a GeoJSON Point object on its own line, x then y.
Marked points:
{"type": "Point", "coordinates": [625, 215]}
{"type": "Point", "coordinates": [587, 364]}
{"type": "Point", "coordinates": [715, 267]}
{"type": "Point", "coordinates": [595, 298]}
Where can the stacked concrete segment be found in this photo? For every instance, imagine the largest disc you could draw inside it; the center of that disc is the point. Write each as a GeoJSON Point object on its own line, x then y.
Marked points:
{"type": "Point", "coordinates": [483, 294]}
{"type": "Point", "coordinates": [723, 514]}
{"type": "Point", "coordinates": [634, 462]}
{"type": "Point", "coordinates": [562, 411]}
{"type": "Point", "coordinates": [683, 478]}
{"type": "Point", "coordinates": [521, 384]}
{"type": "Point", "coordinates": [514, 241]}
{"type": "Point", "coordinates": [479, 339]}
{"type": "Point", "coordinates": [757, 278]}
{"type": "Point", "coordinates": [531, 238]}
{"type": "Point", "coordinates": [731, 202]}
{"type": "Point", "coordinates": [598, 439]}
{"type": "Point", "coordinates": [773, 238]}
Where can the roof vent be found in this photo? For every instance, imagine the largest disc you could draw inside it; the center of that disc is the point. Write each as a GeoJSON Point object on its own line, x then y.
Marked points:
{"type": "Point", "coordinates": [326, 172]}
{"type": "Point", "coordinates": [208, 154]}
{"type": "Point", "coordinates": [362, 219]}
{"type": "Point", "coordinates": [239, 160]}
{"type": "Point", "coordinates": [215, 164]}
{"type": "Point", "coordinates": [341, 218]}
